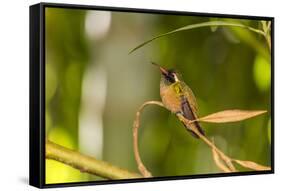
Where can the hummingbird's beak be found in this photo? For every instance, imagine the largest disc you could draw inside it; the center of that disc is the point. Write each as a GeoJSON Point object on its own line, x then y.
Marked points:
{"type": "Point", "coordinates": [163, 70]}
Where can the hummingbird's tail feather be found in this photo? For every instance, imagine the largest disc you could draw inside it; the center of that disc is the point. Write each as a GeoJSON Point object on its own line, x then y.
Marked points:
{"type": "Point", "coordinates": [199, 128]}
{"type": "Point", "coordinates": [192, 133]}
{"type": "Point", "coordinates": [188, 114]}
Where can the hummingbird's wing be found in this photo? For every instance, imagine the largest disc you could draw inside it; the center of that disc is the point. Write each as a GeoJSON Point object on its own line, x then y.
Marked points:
{"type": "Point", "coordinates": [190, 115]}
{"type": "Point", "coordinates": [189, 107]}
{"type": "Point", "coordinates": [191, 98]}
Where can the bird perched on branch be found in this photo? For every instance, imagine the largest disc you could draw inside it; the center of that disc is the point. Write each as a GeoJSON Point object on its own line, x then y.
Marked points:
{"type": "Point", "coordinates": [178, 97]}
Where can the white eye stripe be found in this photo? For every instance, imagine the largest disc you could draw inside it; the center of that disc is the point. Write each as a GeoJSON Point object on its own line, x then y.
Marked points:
{"type": "Point", "coordinates": [176, 78]}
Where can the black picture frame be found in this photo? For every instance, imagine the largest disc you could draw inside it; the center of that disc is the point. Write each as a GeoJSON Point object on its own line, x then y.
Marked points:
{"type": "Point", "coordinates": [37, 94]}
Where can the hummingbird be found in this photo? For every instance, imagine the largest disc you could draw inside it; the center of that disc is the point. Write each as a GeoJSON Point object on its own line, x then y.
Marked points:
{"type": "Point", "coordinates": [177, 97]}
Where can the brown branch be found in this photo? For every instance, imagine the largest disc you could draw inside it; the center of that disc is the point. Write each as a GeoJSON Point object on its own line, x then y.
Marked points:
{"type": "Point", "coordinates": [225, 158]}
{"type": "Point", "coordinates": [223, 162]}
{"type": "Point", "coordinates": [85, 163]}
{"type": "Point", "coordinates": [136, 126]}
{"type": "Point", "coordinates": [219, 163]}
{"type": "Point", "coordinates": [228, 160]}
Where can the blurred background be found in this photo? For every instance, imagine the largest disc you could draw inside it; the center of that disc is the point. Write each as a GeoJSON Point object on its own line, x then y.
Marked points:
{"type": "Point", "coordinates": [94, 88]}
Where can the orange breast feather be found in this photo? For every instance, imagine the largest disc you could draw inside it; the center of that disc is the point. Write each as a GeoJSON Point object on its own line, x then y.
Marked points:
{"type": "Point", "coordinates": [170, 99]}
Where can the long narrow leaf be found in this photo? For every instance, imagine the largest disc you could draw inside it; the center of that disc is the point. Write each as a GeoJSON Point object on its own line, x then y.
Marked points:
{"type": "Point", "coordinates": [230, 116]}
{"type": "Point", "coordinates": [252, 165]}
{"type": "Point", "coordinates": [199, 25]}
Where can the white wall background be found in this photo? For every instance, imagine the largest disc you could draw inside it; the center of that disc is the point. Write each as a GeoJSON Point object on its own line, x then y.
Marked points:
{"type": "Point", "coordinates": [14, 88]}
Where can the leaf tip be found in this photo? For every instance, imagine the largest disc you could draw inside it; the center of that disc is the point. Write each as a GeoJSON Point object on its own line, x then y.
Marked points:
{"type": "Point", "coordinates": [131, 51]}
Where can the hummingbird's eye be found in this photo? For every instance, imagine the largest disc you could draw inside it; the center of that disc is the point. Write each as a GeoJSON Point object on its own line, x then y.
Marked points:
{"type": "Point", "coordinates": [171, 76]}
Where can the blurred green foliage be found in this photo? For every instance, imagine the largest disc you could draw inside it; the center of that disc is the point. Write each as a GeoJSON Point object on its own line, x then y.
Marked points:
{"type": "Point", "coordinates": [262, 74]}
{"type": "Point", "coordinates": [226, 68]}
{"type": "Point", "coordinates": [66, 57]}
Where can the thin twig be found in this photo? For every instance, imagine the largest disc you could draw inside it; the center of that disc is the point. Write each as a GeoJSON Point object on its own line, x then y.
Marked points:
{"type": "Point", "coordinates": [266, 32]}
{"type": "Point", "coordinates": [223, 156]}
{"type": "Point", "coordinates": [224, 162]}
{"type": "Point", "coordinates": [268, 35]}
{"type": "Point", "coordinates": [219, 163]}
{"type": "Point", "coordinates": [141, 166]}
{"type": "Point", "coordinates": [86, 164]}
{"type": "Point", "coordinates": [228, 160]}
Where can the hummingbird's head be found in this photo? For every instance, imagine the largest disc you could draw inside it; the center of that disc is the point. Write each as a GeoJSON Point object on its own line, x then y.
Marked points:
{"type": "Point", "coordinates": [170, 75]}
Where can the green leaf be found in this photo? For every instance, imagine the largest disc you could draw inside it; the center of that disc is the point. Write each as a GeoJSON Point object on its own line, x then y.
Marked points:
{"type": "Point", "coordinates": [199, 25]}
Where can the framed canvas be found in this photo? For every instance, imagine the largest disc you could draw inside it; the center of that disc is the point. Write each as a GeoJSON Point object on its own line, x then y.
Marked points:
{"type": "Point", "coordinates": [122, 95]}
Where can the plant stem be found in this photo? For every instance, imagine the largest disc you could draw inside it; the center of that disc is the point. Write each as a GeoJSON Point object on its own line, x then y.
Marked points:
{"type": "Point", "coordinates": [85, 163]}
{"type": "Point", "coordinates": [223, 161]}
{"type": "Point", "coordinates": [136, 126]}
{"type": "Point", "coordinates": [225, 158]}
